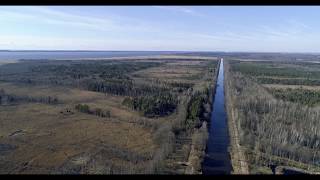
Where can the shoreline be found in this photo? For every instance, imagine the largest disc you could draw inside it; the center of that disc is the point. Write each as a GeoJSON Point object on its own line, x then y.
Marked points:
{"type": "Point", "coordinates": [238, 159]}
{"type": "Point", "coordinates": [124, 58]}
{"type": "Point", "coordinates": [196, 157]}
{"type": "Point", "coordinates": [2, 62]}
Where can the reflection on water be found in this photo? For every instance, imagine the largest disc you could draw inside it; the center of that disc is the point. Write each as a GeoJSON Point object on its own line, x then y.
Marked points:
{"type": "Point", "coordinates": [217, 160]}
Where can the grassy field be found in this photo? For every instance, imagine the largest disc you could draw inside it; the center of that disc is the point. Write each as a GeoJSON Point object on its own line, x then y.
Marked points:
{"type": "Point", "coordinates": [38, 135]}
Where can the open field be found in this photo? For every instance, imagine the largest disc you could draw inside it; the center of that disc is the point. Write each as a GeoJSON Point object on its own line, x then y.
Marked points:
{"type": "Point", "coordinates": [103, 116]}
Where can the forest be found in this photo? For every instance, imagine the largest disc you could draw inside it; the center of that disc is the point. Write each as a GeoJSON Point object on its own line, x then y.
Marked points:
{"type": "Point", "coordinates": [289, 81]}
{"type": "Point", "coordinates": [117, 116]}
{"type": "Point", "coordinates": [276, 127]}
{"type": "Point", "coordinates": [277, 69]}
{"type": "Point", "coordinates": [7, 99]}
{"type": "Point", "coordinates": [299, 95]}
{"type": "Point", "coordinates": [150, 106]}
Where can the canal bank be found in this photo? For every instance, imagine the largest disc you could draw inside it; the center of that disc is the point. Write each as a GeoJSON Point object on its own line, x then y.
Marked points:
{"type": "Point", "coordinates": [217, 158]}
{"type": "Point", "coordinates": [238, 158]}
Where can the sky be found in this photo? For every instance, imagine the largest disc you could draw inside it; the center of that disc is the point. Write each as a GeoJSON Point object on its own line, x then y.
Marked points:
{"type": "Point", "coordinates": [163, 28]}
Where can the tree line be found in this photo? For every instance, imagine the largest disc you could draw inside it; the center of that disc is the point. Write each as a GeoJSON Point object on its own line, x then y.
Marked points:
{"type": "Point", "coordinates": [6, 99]}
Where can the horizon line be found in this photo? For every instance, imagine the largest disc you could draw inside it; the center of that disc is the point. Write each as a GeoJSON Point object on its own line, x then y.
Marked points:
{"type": "Point", "coordinates": [185, 51]}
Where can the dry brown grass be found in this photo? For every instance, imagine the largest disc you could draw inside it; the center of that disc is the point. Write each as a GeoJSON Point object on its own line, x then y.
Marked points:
{"type": "Point", "coordinates": [2, 62]}
{"type": "Point", "coordinates": [48, 139]}
{"type": "Point", "coordinates": [282, 86]}
{"type": "Point", "coordinates": [171, 71]}
{"type": "Point", "coordinates": [67, 95]}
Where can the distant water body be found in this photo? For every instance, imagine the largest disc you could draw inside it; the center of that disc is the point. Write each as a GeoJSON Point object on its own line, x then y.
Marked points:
{"type": "Point", "coordinates": [17, 55]}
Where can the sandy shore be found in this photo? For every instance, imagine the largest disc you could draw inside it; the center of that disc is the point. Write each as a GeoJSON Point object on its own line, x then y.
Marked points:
{"type": "Point", "coordinates": [2, 62]}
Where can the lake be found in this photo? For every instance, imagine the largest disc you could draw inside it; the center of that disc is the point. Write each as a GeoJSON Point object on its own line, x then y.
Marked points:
{"type": "Point", "coordinates": [17, 55]}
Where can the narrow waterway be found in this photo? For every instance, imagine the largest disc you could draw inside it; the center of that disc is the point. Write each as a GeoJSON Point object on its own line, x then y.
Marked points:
{"type": "Point", "coordinates": [217, 159]}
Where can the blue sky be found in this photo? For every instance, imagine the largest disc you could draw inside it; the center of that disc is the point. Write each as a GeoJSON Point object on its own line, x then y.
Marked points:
{"type": "Point", "coordinates": [185, 28]}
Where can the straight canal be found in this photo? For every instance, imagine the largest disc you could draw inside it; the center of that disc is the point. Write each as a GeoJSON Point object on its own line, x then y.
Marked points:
{"type": "Point", "coordinates": [217, 159]}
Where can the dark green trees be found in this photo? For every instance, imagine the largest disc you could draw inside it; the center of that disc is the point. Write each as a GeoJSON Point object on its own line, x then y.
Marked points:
{"type": "Point", "coordinates": [199, 108]}
{"type": "Point", "coordinates": [303, 96]}
{"type": "Point", "coordinates": [151, 106]}
{"type": "Point", "coordinates": [84, 108]}
{"type": "Point", "coordinates": [195, 110]}
{"type": "Point", "coordinates": [6, 98]}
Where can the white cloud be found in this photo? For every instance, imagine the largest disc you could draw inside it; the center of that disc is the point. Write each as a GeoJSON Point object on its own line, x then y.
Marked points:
{"type": "Point", "coordinates": [130, 33]}
{"type": "Point", "coordinates": [55, 17]}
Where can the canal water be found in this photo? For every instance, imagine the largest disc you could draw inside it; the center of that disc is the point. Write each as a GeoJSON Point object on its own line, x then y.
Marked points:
{"type": "Point", "coordinates": [217, 159]}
